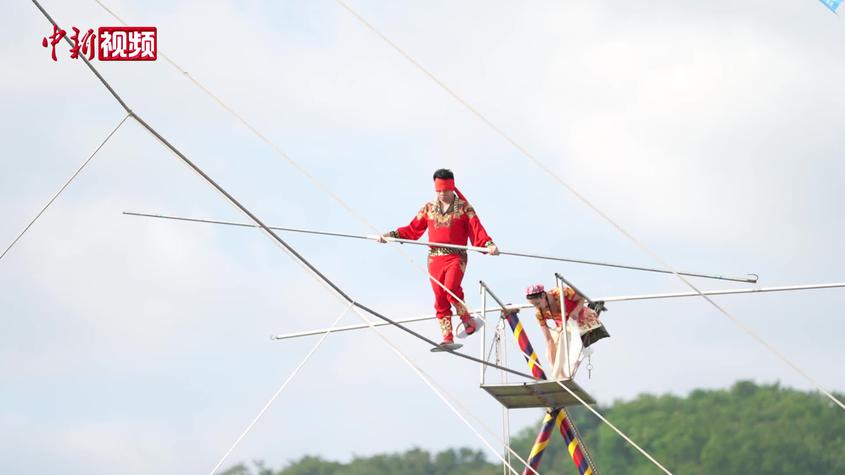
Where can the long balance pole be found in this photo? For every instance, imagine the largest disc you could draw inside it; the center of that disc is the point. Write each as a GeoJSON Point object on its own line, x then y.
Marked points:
{"type": "Point", "coordinates": [750, 278]}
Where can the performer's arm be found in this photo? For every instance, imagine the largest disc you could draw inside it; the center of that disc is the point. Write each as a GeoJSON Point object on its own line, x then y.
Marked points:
{"type": "Point", "coordinates": [415, 228]}
{"type": "Point", "coordinates": [478, 235]}
{"type": "Point", "coordinates": [550, 343]}
{"type": "Point", "coordinates": [571, 295]}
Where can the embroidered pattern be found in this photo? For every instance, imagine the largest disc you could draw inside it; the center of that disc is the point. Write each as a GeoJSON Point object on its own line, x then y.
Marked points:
{"type": "Point", "coordinates": [445, 326]}
{"type": "Point", "coordinates": [444, 251]}
{"type": "Point", "coordinates": [441, 218]}
{"type": "Point", "coordinates": [585, 317]}
{"type": "Point", "coordinates": [462, 312]}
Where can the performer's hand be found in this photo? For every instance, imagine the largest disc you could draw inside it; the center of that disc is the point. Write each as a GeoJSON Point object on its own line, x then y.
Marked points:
{"type": "Point", "coordinates": [382, 239]}
{"type": "Point", "coordinates": [493, 250]}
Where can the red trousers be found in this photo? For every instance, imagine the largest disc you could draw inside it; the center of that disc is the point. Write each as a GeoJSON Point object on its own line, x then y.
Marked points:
{"type": "Point", "coordinates": [449, 270]}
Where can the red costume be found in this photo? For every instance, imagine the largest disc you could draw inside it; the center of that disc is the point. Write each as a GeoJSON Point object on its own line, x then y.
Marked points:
{"type": "Point", "coordinates": [454, 225]}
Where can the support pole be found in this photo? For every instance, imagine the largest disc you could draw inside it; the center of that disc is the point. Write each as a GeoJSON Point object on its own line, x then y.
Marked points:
{"type": "Point", "coordinates": [564, 331]}
{"type": "Point", "coordinates": [506, 423]}
{"type": "Point", "coordinates": [550, 421]}
{"type": "Point", "coordinates": [525, 345]}
{"type": "Point", "coordinates": [574, 446]}
{"type": "Point", "coordinates": [760, 290]}
{"type": "Point", "coordinates": [483, 368]}
{"type": "Point", "coordinates": [569, 284]}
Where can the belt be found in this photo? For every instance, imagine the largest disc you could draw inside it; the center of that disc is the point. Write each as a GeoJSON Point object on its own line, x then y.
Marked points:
{"type": "Point", "coordinates": [444, 251]}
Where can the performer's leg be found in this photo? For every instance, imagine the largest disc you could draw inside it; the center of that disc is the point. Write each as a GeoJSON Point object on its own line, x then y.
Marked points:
{"type": "Point", "coordinates": [454, 275]}
{"type": "Point", "coordinates": [442, 308]}
{"type": "Point", "coordinates": [554, 343]}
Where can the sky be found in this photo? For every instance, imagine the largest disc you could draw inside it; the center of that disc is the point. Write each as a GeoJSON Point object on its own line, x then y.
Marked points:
{"type": "Point", "coordinates": [709, 131]}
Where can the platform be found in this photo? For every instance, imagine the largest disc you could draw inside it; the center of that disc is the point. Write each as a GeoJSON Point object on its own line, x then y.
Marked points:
{"type": "Point", "coordinates": [537, 394]}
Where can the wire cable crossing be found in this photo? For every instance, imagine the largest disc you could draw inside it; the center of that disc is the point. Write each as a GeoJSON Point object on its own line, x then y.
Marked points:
{"type": "Point", "coordinates": [67, 183]}
{"type": "Point", "coordinates": [279, 391]}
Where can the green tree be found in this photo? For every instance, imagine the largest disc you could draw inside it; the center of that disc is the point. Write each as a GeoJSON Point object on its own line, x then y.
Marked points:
{"type": "Point", "coordinates": [746, 429]}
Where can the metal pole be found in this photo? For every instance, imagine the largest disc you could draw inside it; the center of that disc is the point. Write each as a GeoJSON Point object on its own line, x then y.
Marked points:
{"type": "Point", "coordinates": [601, 299]}
{"type": "Point", "coordinates": [501, 305]}
{"type": "Point", "coordinates": [503, 377]}
{"type": "Point", "coordinates": [564, 332]}
{"type": "Point", "coordinates": [247, 225]}
{"type": "Point", "coordinates": [502, 359]}
{"type": "Point", "coordinates": [571, 286]}
{"type": "Point", "coordinates": [287, 336]}
{"type": "Point", "coordinates": [501, 350]}
{"type": "Point", "coordinates": [723, 292]}
{"type": "Point", "coordinates": [750, 278]}
{"type": "Point", "coordinates": [483, 330]}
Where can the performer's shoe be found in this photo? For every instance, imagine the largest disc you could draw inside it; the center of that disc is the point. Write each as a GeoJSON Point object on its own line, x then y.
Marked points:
{"type": "Point", "coordinates": [446, 330]}
{"type": "Point", "coordinates": [469, 324]}
{"type": "Point", "coordinates": [446, 346]}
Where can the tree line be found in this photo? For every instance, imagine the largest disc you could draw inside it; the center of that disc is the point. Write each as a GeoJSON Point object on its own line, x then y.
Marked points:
{"type": "Point", "coordinates": [746, 429]}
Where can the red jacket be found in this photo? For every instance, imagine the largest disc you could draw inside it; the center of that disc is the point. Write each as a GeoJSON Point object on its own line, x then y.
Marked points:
{"type": "Point", "coordinates": [455, 226]}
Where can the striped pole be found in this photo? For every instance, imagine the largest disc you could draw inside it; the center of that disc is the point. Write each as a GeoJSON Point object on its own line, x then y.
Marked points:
{"type": "Point", "coordinates": [549, 421]}
{"type": "Point", "coordinates": [557, 416]}
{"type": "Point", "coordinates": [536, 455]}
{"type": "Point", "coordinates": [573, 445]}
{"type": "Point", "coordinates": [525, 345]}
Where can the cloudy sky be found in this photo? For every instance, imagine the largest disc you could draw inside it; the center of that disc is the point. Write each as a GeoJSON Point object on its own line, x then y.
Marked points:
{"type": "Point", "coordinates": [711, 131]}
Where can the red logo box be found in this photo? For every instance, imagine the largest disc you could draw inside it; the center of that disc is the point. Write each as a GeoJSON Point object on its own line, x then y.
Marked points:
{"type": "Point", "coordinates": [127, 43]}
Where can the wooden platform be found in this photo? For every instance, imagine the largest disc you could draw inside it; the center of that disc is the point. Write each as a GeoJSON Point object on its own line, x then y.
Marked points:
{"type": "Point", "coordinates": [537, 394]}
